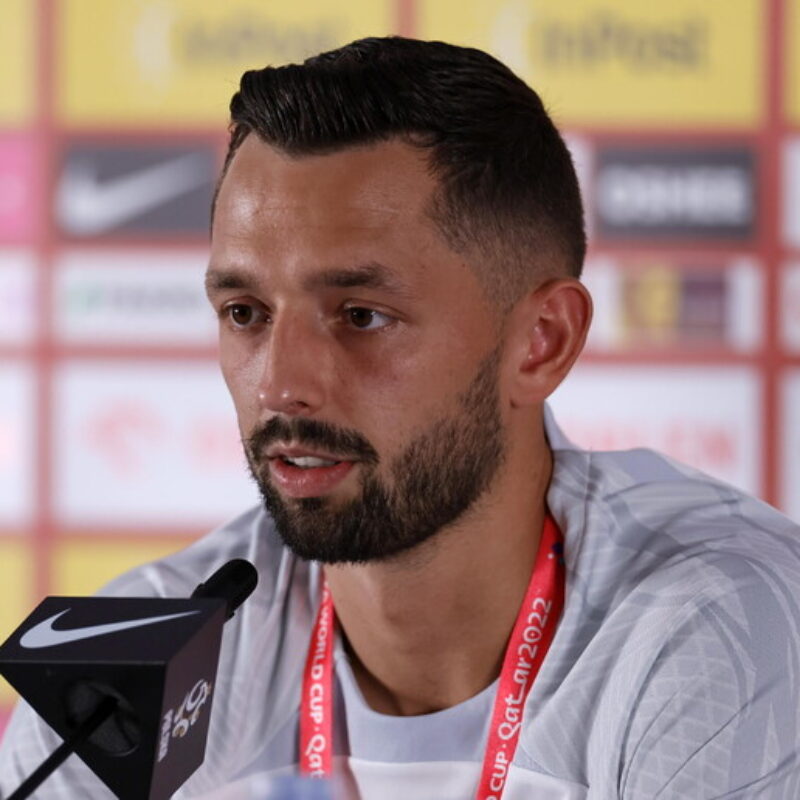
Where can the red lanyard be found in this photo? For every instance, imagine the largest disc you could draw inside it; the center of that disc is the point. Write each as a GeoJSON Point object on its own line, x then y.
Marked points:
{"type": "Point", "coordinates": [530, 639]}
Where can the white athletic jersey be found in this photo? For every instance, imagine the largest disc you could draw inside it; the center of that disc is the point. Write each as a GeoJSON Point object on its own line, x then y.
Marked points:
{"type": "Point", "coordinates": [674, 672]}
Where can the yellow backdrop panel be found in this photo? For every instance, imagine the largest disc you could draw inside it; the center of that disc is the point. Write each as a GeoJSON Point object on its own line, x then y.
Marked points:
{"type": "Point", "coordinates": [16, 595]}
{"type": "Point", "coordinates": [81, 567]}
{"type": "Point", "coordinates": [17, 64]}
{"type": "Point", "coordinates": [621, 62]}
{"type": "Point", "coordinates": [792, 60]}
{"type": "Point", "coordinates": [179, 61]}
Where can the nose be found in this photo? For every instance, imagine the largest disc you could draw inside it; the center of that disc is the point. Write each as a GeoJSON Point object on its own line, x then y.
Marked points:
{"type": "Point", "coordinates": [296, 363]}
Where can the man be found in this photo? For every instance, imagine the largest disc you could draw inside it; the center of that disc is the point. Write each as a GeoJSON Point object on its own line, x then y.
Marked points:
{"type": "Point", "coordinates": [396, 245]}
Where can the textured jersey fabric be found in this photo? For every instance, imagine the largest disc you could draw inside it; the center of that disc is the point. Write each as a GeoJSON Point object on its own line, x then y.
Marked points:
{"type": "Point", "coordinates": [674, 672]}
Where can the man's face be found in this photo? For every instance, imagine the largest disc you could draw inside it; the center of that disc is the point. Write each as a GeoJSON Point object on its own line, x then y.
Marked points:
{"type": "Point", "coordinates": [361, 353]}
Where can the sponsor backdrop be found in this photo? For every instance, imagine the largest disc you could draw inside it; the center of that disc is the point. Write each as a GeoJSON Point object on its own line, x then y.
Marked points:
{"type": "Point", "coordinates": [117, 438]}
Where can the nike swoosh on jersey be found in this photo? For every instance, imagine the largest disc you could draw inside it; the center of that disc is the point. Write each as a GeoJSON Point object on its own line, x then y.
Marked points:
{"type": "Point", "coordinates": [86, 206]}
{"type": "Point", "coordinates": [44, 635]}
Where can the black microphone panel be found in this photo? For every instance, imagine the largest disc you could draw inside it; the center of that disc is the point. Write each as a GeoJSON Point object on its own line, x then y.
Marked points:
{"type": "Point", "coordinates": [156, 657]}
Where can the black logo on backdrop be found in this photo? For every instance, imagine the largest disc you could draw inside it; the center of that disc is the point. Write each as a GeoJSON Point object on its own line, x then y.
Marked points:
{"type": "Point", "coordinates": [115, 190]}
{"type": "Point", "coordinates": [686, 193]}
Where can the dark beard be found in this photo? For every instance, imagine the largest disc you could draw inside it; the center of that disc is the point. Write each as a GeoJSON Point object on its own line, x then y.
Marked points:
{"type": "Point", "coordinates": [435, 480]}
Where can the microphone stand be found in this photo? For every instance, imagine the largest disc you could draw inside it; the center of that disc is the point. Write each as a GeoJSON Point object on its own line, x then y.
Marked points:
{"type": "Point", "coordinates": [103, 711]}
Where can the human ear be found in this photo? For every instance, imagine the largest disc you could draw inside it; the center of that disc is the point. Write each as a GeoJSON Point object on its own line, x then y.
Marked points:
{"type": "Point", "coordinates": [546, 333]}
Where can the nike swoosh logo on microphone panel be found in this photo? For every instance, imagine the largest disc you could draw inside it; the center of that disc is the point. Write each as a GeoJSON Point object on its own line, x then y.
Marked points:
{"type": "Point", "coordinates": [43, 634]}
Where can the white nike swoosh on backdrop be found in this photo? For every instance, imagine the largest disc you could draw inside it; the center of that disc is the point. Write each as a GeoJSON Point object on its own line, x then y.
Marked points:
{"type": "Point", "coordinates": [87, 206]}
{"type": "Point", "coordinates": [43, 635]}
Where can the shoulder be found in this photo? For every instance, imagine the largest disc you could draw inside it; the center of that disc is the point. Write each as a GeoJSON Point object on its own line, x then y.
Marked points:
{"type": "Point", "coordinates": [636, 520]}
{"type": "Point", "coordinates": [680, 639]}
{"type": "Point", "coordinates": [659, 545]}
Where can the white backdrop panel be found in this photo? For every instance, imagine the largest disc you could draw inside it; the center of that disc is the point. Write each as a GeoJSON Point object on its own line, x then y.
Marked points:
{"type": "Point", "coordinates": [146, 444]}
{"type": "Point", "coordinates": [707, 417]}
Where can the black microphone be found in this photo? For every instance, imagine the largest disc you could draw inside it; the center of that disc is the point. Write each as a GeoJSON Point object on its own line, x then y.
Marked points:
{"type": "Point", "coordinates": [126, 682]}
{"type": "Point", "coordinates": [233, 582]}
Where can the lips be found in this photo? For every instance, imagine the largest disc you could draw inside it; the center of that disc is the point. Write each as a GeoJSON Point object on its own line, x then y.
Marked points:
{"type": "Point", "coordinates": [299, 472]}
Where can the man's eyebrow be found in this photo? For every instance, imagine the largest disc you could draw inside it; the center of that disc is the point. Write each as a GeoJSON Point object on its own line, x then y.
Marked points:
{"type": "Point", "coordinates": [218, 278]}
{"type": "Point", "coordinates": [367, 276]}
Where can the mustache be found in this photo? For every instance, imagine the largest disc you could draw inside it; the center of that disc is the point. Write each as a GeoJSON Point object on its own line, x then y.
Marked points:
{"type": "Point", "coordinates": [306, 432]}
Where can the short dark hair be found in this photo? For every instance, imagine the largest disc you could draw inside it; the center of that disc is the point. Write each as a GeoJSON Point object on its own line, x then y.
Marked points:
{"type": "Point", "coordinates": [508, 196]}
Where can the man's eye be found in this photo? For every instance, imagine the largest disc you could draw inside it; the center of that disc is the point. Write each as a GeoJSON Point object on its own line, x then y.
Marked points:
{"type": "Point", "coordinates": [366, 318]}
{"type": "Point", "coordinates": [241, 315]}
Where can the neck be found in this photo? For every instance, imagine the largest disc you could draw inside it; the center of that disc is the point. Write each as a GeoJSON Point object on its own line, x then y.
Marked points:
{"type": "Point", "coordinates": [428, 630]}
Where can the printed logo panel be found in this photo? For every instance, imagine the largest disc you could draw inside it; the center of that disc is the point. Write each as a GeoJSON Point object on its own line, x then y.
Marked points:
{"type": "Point", "coordinates": [118, 297]}
{"type": "Point", "coordinates": [17, 445]}
{"type": "Point", "coordinates": [790, 307]}
{"type": "Point", "coordinates": [791, 192]}
{"type": "Point", "coordinates": [18, 289]}
{"type": "Point", "coordinates": [620, 62]}
{"type": "Point", "coordinates": [582, 153]}
{"type": "Point", "coordinates": [17, 61]}
{"type": "Point", "coordinates": [791, 50]}
{"type": "Point", "coordinates": [106, 190]}
{"type": "Point", "coordinates": [707, 417]}
{"type": "Point", "coordinates": [146, 444]}
{"type": "Point", "coordinates": [675, 193]}
{"type": "Point", "coordinates": [18, 181]}
{"type": "Point", "coordinates": [661, 302]}
{"type": "Point", "coordinates": [790, 440]}
{"type": "Point", "coordinates": [164, 62]}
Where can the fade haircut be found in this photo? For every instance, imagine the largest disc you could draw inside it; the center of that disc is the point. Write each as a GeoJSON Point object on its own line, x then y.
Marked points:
{"type": "Point", "coordinates": [507, 198]}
